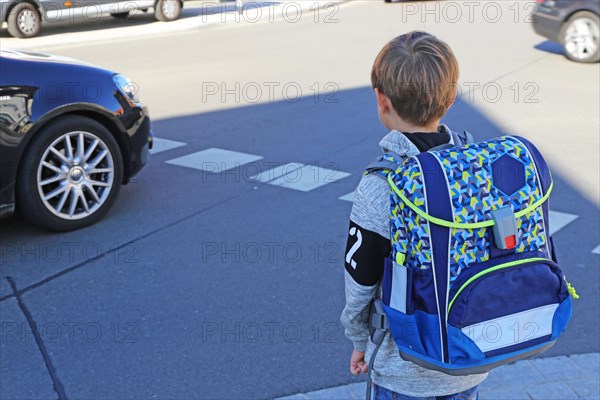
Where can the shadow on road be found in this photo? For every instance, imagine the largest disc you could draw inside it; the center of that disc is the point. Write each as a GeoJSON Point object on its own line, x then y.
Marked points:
{"type": "Point", "coordinates": [222, 287]}
{"type": "Point", "coordinates": [550, 47]}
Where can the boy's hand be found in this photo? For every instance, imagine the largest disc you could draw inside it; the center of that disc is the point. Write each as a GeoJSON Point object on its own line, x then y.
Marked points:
{"type": "Point", "coordinates": [357, 363]}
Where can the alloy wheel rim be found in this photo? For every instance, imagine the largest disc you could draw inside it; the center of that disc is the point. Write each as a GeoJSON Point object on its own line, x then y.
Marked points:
{"type": "Point", "coordinates": [169, 8]}
{"type": "Point", "coordinates": [75, 175]}
{"type": "Point", "coordinates": [581, 38]}
{"type": "Point", "coordinates": [27, 21]}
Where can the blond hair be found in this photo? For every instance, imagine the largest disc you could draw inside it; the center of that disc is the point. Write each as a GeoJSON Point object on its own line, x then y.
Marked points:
{"type": "Point", "coordinates": [418, 73]}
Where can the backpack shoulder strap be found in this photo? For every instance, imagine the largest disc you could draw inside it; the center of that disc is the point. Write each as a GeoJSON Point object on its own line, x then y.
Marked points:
{"type": "Point", "coordinates": [462, 138]}
{"type": "Point", "coordinates": [382, 165]}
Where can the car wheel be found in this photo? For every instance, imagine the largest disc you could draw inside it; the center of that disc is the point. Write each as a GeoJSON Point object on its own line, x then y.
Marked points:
{"type": "Point", "coordinates": [70, 175]}
{"type": "Point", "coordinates": [24, 21]}
{"type": "Point", "coordinates": [167, 10]}
{"type": "Point", "coordinates": [120, 16]}
{"type": "Point", "coordinates": [580, 36]}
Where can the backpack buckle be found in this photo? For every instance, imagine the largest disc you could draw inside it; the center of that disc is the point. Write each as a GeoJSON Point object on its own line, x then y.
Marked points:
{"type": "Point", "coordinates": [378, 323]}
{"type": "Point", "coordinates": [505, 228]}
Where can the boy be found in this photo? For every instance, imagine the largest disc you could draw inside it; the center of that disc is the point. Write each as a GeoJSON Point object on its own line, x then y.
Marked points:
{"type": "Point", "coordinates": [414, 78]}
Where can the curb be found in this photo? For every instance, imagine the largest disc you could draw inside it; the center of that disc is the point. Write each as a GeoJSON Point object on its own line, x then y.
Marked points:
{"type": "Point", "coordinates": [561, 378]}
{"type": "Point", "coordinates": [207, 14]}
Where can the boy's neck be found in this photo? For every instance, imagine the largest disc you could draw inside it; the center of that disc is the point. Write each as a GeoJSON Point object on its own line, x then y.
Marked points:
{"type": "Point", "coordinates": [404, 126]}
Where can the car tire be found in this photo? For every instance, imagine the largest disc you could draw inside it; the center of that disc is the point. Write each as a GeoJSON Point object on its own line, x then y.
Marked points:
{"type": "Point", "coordinates": [580, 37]}
{"type": "Point", "coordinates": [61, 189]}
{"type": "Point", "coordinates": [167, 10]}
{"type": "Point", "coordinates": [24, 21]}
{"type": "Point", "coordinates": [120, 16]}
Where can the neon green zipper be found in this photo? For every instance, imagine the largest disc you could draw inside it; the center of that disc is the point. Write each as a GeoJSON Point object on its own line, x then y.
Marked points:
{"type": "Point", "coordinates": [492, 269]}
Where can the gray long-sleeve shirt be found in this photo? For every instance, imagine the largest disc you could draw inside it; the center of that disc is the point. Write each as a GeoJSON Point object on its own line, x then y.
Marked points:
{"type": "Point", "coordinates": [369, 244]}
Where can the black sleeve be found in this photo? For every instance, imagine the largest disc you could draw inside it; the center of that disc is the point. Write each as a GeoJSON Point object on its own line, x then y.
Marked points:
{"type": "Point", "coordinates": [366, 252]}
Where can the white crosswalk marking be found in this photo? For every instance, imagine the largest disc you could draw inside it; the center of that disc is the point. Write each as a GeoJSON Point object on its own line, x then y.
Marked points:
{"type": "Point", "coordinates": [300, 177]}
{"type": "Point", "coordinates": [159, 145]}
{"type": "Point", "coordinates": [214, 160]}
{"type": "Point", "coordinates": [348, 197]}
{"type": "Point", "coordinates": [559, 220]}
{"type": "Point", "coordinates": [274, 173]}
{"type": "Point", "coordinates": [596, 250]}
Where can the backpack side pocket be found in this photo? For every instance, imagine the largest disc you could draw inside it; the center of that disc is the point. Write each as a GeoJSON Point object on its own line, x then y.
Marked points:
{"type": "Point", "coordinates": [396, 285]}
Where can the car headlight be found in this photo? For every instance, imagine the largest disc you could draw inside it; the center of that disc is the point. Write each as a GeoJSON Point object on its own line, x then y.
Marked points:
{"type": "Point", "coordinates": [127, 87]}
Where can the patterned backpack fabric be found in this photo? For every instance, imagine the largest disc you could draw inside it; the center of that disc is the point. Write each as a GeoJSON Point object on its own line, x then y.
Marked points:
{"type": "Point", "coordinates": [472, 282]}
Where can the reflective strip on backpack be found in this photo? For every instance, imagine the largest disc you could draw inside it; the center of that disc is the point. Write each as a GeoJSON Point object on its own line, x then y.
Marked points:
{"type": "Point", "coordinates": [505, 331]}
{"type": "Point", "coordinates": [465, 225]}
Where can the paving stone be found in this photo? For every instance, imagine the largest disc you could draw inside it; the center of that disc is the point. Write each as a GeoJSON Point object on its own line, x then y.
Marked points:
{"type": "Point", "coordinates": [589, 363]}
{"type": "Point", "coordinates": [519, 373]}
{"type": "Point", "coordinates": [492, 382]}
{"type": "Point", "coordinates": [504, 394]}
{"type": "Point", "coordinates": [587, 360]}
{"type": "Point", "coordinates": [587, 388]}
{"type": "Point", "coordinates": [358, 390]}
{"type": "Point", "coordinates": [336, 393]}
{"type": "Point", "coordinates": [298, 396]}
{"type": "Point", "coordinates": [560, 368]}
{"type": "Point", "coordinates": [552, 391]}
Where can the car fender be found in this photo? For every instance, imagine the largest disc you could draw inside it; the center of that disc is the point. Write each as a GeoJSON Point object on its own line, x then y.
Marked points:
{"type": "Point", "coordinates": [6, 7]}
{"type": "Point", "coordinates": [90, 110]}
{"type": "Point", "coordinates": [584, 7]}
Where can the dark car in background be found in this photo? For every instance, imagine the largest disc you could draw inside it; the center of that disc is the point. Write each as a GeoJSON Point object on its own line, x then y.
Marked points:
{"type": "Point", "coordinates": [573, 23]}
{"type": "Point", "coordinates": [24, 17]}
{"type": "Point", "coordinates": [70, 135]}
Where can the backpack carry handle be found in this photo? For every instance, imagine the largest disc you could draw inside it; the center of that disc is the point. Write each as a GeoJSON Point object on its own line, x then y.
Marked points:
{"type": "Point", "coordinates": [457, 139]}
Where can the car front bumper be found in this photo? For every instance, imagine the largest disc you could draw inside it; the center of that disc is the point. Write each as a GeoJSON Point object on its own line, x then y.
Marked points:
{"type": "Point", "coordinates": [141, 140]}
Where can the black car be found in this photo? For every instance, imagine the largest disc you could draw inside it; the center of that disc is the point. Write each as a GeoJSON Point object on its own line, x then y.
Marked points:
{"type": "Point", "coordinates": [70, 135]}
{"type": "Point", "coordinates": [574, 24]}
{"type": "Point", "coordinates": [24, 17]}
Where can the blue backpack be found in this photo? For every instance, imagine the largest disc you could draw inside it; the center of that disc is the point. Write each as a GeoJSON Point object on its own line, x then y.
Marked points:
{"type": "Point", "coordinates": [472, 282]}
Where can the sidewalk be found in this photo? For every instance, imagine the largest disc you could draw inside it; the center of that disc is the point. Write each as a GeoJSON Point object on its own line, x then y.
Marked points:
{"type": "Point", "coordinates": [196, 14]}
{"type": "Point", "coordinates": [560, 378]}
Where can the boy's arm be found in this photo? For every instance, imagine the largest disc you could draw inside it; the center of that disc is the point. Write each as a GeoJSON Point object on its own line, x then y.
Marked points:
{"type": "Point", "coordinates": [367, 247]}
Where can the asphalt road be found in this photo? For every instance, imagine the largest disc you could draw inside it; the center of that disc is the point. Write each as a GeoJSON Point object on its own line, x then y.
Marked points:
{"type": "Point", "coordinates": [217, 285]}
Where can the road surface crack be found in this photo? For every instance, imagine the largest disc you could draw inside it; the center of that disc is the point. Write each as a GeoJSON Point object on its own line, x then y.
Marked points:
{"type": "Point", "coordinates": [56, 383]}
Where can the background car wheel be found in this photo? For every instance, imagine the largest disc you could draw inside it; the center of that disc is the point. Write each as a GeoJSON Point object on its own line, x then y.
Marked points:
{"type": "Point", "coordinates": [24, 21]}
{"type": "Point", "coordinates": [70, 175]}
{"type": "Point", "coordinates": [580, 36]}
{"type": "Point", "coordinates": [167, 10]}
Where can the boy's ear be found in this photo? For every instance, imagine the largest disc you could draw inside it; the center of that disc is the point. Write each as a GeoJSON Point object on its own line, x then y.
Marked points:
{"type": "Point", "coordinates": [383, 102]}
{"type": "Point", "coordinates": [453, 100]}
